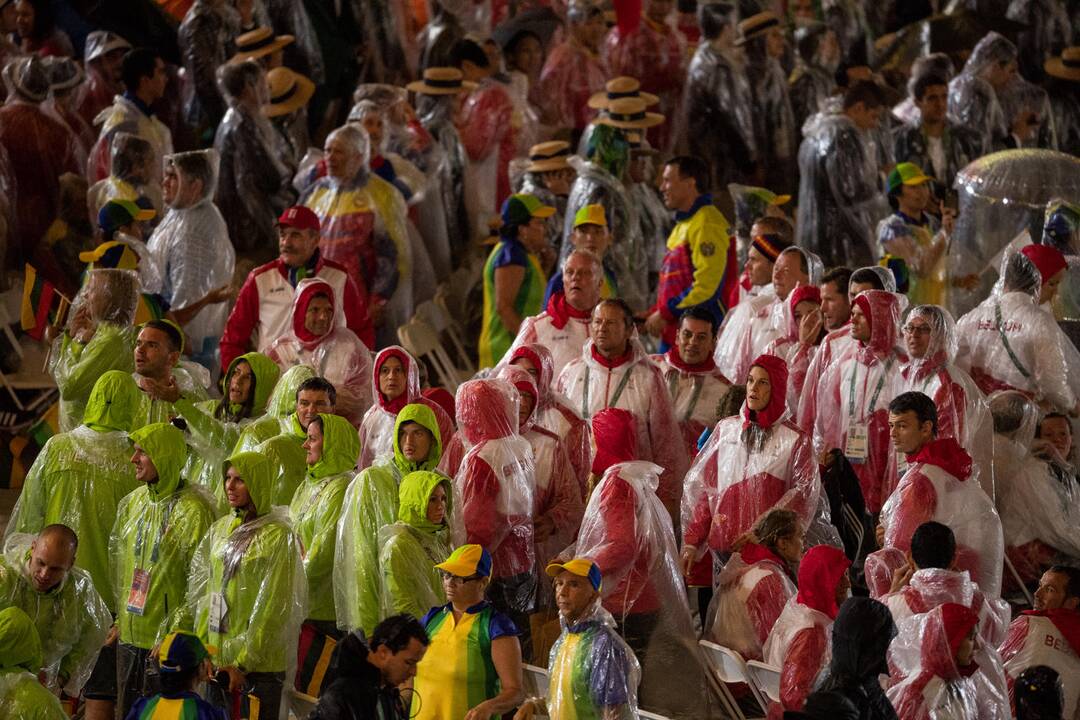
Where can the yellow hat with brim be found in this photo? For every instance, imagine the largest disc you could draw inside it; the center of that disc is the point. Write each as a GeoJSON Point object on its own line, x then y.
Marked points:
{"type": "Point", "coordinates": [467, 561]}
{"type": "Point", "coordinates": [629, 114]}
{"type": "Point", "coordinates": [581, 567]}
{"type": "Point", "coordinates": [289, 91]}
{"type": "Point", "coordinates": [441, 81]}
{"type": "Point", "coordinates": [590, 215]}
{"type": "Point", "coordinates": [259, 43]}
{"type": "Point", "coordinates": [549, 156]}
{"type": "Point", "coordinates": [618, 88]}
{"type": "Point", "coordinates": [1066, 67]}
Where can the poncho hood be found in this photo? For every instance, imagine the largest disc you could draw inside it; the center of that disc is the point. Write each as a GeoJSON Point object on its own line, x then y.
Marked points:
{"type": "Point", "coordinates": [486, 410]}
{"type": "Point", "coordinates": [258, 475]}
{"type": "Point", "coordinates": [165, 446]}
{"type": "Point", "coordinates": [819, 574]}
{"type": "Point", "coordinates": [266, 373]}
{"type": "Point", "coordinates": [778, 385]}
{"type": "Point", "coordinates": [113, 402]}
{"type": "Point", "coordinates": [414, 494]}
{"type": "Point", "coordinates": [422, 415]}
{"type": "Point", "coordinates": [947, 454]}
{"type": "Point", "coordinates": [412, 379]}
{"type": "Point", "coordinates": [615, 437]}
{"type": "Point", "coordinates": [20, 647]}
{"type": "Point", "coordinates": [307, 289]}
{"type": "Point", "coordinates": [882, 310]}
{"type": "Point", "coordinates": [340, 450]}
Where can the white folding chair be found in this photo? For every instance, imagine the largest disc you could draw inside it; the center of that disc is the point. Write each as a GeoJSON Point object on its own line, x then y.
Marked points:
{"type": "Point", "coordinates": [765, 678]}
{"type": "Point", "coordinates": [728, 667]}
{"type": "Point", "coordinates": [1019, 581]}
{"type": "Point", "coordinates": [646, 715]}
{"type": "Point", "coordinates": [423, 342]}
{"type": "Point", "coordinates": [439, 319]}
{"type": "Point", "coordinates": [535, 681]}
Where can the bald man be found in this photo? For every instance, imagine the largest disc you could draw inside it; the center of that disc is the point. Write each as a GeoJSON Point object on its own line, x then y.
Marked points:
{"type": "Point", "coordinates": [38, 576]}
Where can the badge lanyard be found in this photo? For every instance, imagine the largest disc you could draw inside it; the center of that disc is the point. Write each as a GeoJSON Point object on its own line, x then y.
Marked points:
{"type": "Point", "coordinates": [877, 390]}
{"type": "Point", "coordinates": [141, 534]}
{"type": "Point", "coordinates": [614, 398]}
{"type": "Point", "coordinates": [1005, 341]}
{"type": "Point", "coordinates": [673, 384]}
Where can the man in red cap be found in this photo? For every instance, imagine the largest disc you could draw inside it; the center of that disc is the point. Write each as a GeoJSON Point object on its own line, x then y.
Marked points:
{"type": "Point", "coordinates": [263, 308]}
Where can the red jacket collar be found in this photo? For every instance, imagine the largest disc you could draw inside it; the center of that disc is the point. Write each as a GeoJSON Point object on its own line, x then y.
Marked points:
{"type": "Point", "coordinates": [613, 363]}
{"type": "Point", "coordinates": [947, 454]}
{"type": "Point", "coordinates": [673, 357]}
{"type": "Point", "coordinates": [560, 311]}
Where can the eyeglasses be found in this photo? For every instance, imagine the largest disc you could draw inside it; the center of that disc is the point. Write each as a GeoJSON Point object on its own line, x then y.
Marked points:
{"type": "Point", "coordinates": [916, 330]}
{"type": "Point", "coordinates": [455, 580]}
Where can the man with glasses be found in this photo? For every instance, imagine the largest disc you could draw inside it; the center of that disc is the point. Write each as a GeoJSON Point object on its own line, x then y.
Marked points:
{"type": "Point", "coordinates": [472, 668]}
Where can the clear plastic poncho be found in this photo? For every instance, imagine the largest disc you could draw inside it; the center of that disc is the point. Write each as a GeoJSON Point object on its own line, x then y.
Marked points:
{"type": "Point", "coordinates": [839, 192]}
{"type": "Point", "coordinates": [628, 533]}
{"type": "Point", "coordinates": [131, 159]}
{"type": "Point", "coordinates": [933, 686]}
{"type": "Point", "coordinates": [370, 506]}
{"type": "Point", "coordinates": [572, 73]}
{"type": "Point", "coordinates": [752, 463]}
{"type": "Point", "coordinates": [598, 183]}
{"type": "Point", "coordinates": [1010, 343]}
{"type": "Point", "coordinates": [254, 186]}
{"type": "Point", "coordinates": [124, 116]}
{"type": "Point", "coordinates": [337, 355]}
{"type": "Point", "coordinates": [930, 587]}
{"type": "Point", "coordinates": [317, 506]}
{"type": "Point", "coordinates": [1048, 32]}
{"type": "Point", "coordinates": [71, 619]}
{"type": "Point", "coordinates": [410, 548]}
{"type": "Point", "coordinates": [447, 173]}
{"type": "Point", "coordinates": [157, 530]}
{"type": "Point", "coordinates": [938, 485]}
{"type": "Point", "coordinates": [590, 387]}
{"type": "Point", "coordinates": [80, 477]}
{"type": "Point", "coordinates": [204, 38]}
{"type": "Point", "coordinates": [279, 408]}
{"type": "Point", "coordinates": [99, 337]}
{"type": "Point", "coordinates": [592, 672]}
{"type": "Point", "coordinates": [494, 487]}
{"type": "Point", "coordinates": [247, 593]}
{"type": "Point", "coordinates": [21, 695]}
{"type": "Point", "coordinates": [813, 78]}
{"type": "Point", "coordinates": [192, 248]}
{"type": "Point", "coordinates": [973, 101]}
{"type": "Point", "coordinates": [774, 126]}
{"type": "Point", "coordinates": [962, 411]}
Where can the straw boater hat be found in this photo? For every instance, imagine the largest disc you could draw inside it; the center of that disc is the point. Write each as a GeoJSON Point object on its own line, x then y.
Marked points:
{"type": "Point", "coordinates": [629, 114]}
{"type": "Point", "coordinates": [258, 43]}
{"type": "Point", "coordinates": [756, 25]}
{"type": "Point", "coordinates": [636, 146]}
{"type": "Point", "coordinates": [289, 91]}
{"type": "Point", "coordinates": [441, 81]}
{"type": "Point", "coordinates": [549, 156]}
{"type": "Point", "coordinates": [1066, 67]}
{"type": "Point", "coordinates": [623, 86]}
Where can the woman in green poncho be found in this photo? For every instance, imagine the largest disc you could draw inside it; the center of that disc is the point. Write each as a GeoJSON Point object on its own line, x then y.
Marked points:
{"type": "Point", "coordinates": [332, 449]}
{"type": "Point", "coordinates": [371, 503]}
{"type": "Point", "coordinates": [21, 695]}
{"type": "Point", "coordinates": [410, 548]}
{"type": "Point", "coordinates": [215, 425]}
{"type": "Point", "coordinates": [247, 590]}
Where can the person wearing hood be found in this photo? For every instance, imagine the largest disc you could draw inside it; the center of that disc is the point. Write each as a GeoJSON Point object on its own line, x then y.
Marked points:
{"type": "Point", "coordinates": [592, 671]}
{"type": "Point", "coordinates": [410, 548]}
{"type": "Point", "coordinates": [973, 94]}
{"type": "Point", "coordinates": [332, 449]}
{"type": "Point", "coordinates": [395, 383]}
{"type": "Point", "coordinates": [614, 371]}
{"type": "Point", "coordinates": [280, 407]}
{"type": "Point", "coordinates": [38, 576]}
{"type": "Point", "coordinates": [145, 82]}
{"type": "Point", "coordinates": [66, 87]}
{"type": "Point", "coordinates": [1049, 635]}
{"type": "Point", "coordinates": [853, 395]}
{"type": "Point", "coordinates": [496, 488]}
{"type": "Point", "coordinates": [98, 338]}
{"type": "Point", "coordinates": [553, 411]}
{"type": "Point", "coordinates": [333, 350]}
{"type": "Point", "coordinates": [627, 532]}
{"type": "Point", "coordinates": [929, 578]}
{"type": "Point", "coordinates": [755, 585]}
{"type": "Point", "coordinates": [514, 276]}
{"type": "Point", "coordinates": [255, 185]}
{"type": "Point", "coordinates": [247, 594]}
{"type": "Point", "coordinates": [719, 103]}
{"type": "Point", "coordinates": [79, 478]}
{"type": "Point", "coordinates": [157, 530]}
{"type": "Point", "coordinates": [162, 378]}
{"type": "Point", "coordinates": [937, 484]}
{"type": "Point", "coordinates": [192, 248]}
{"type": "Point", "coordinates": [370, 505]}
{"type": "Point", "coordinates": [39, 147]}
{"type": "Point", "coordinates": [573, 71]}
{"type": "Point", "coordinates": [839, 195]}
{"type": "Point", "coordinates": [752, 463]}
{"type": "Point", "coordinates": [861, 635]}
{"type": "Point", "coordinates": [1009, 342]}
{"type": "Point", "coordinates": [799, 643]}
{"type": "Point", "coordinates": [363, 226]}
{"type": "Point", "coordinates": [21, 695]}
{"type": "Point", "coordinates": [813, 79]}
{"type": "Point", "coordinates": [133, 174]}
{"type": "Point", "coordinates": [695, 384]}
{"type": "Point", "coordinates": [563, 326]}
{"type": "Point", "coordinates": [942, 669]}
{"type": "Point", "coordinates": [804, 331]}
{"type": "Point", "coordinates": [215, 426]}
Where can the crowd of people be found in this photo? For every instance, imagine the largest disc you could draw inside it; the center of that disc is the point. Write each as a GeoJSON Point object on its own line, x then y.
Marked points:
{"type": "Point", "coordinates": [832, 434]}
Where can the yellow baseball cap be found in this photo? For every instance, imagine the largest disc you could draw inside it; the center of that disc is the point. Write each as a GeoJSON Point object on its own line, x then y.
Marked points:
{"type": "Point", "coordinates": [582, 567]}
{"type": "Point", "coordinates": [466, 561]}
{"type": "Point", "coordinates": [590, 215]}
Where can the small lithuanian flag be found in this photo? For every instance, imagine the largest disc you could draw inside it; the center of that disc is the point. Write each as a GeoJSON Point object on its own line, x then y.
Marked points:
{"type": "Point", "coordinates": [42, 304]}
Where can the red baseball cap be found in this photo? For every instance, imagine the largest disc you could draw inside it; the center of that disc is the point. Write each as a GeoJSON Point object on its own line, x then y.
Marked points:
{"type": "Point", "coordinates": [299, 217]}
